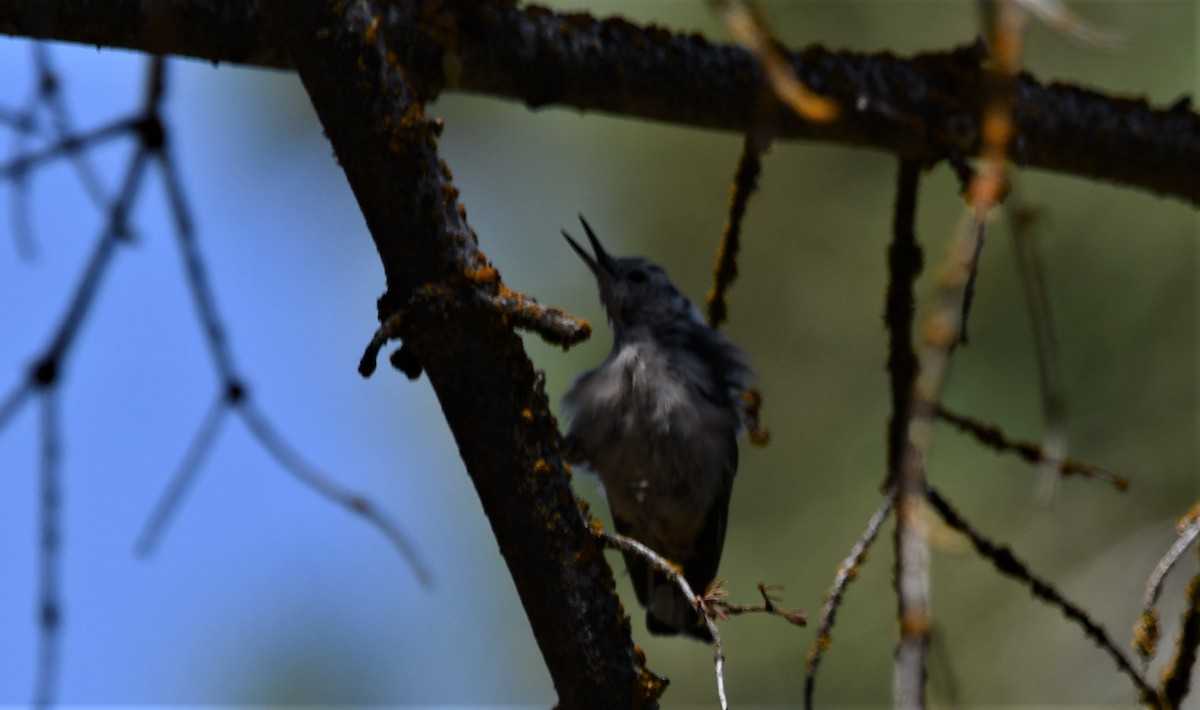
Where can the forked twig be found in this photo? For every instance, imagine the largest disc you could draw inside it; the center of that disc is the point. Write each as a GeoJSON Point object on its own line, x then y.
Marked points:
{"type": "Point", "coordinates": [716, 602]}
{"type": "Point", "coordinates": [1146, 633]}
{"type": "Point", "coordinates": [44, 376]}
{"type": "Point", "coordinates": [662, 564]}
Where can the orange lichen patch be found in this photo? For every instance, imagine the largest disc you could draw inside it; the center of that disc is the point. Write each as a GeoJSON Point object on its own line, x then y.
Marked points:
{"type": "Point", "coordinates": [940, 332]}
{"type": "Point", "coordinates": [589, 551]}
{"type": "Point", "coordinates": [527, 416]}
{"type": "Point", "coordinates": [652, 686]}
{"type": "Point", "coordinates": [596, 527]}
{"type": "Point", "coordinates": [485, 275]}
{"type": "Point", "coordinates": [1189, 518]}
{"type": "Point", "coordinates": [914, 623]}
{"type": "Point", "coordinates": [541, 467]}
{"type": "Point", "coordinates": [371, 34]}
{"type": "Point", "coordinates": [1146, 634]}
{"type": "Point", "coordinates": [751, 403]}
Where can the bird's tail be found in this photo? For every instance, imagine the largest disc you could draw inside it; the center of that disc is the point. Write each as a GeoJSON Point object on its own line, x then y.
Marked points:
{"type": "Point", "coordinates": [669, 612]}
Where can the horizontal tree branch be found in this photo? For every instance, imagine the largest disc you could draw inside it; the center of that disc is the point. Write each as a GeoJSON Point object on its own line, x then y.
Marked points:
{"type": "Point", "coordinates": [924, 107]}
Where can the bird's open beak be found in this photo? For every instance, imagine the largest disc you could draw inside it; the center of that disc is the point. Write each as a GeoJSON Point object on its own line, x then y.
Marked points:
{"type": "Point", "coordinates": [601, 264]}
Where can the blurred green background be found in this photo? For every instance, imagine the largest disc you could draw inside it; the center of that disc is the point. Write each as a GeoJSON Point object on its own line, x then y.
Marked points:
{"type": "Point", "coordinates": [1120, 267]}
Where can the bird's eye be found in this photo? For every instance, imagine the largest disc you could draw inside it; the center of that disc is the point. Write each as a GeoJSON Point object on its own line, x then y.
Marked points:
{"type": "Point", "coordinates": [637, 276]}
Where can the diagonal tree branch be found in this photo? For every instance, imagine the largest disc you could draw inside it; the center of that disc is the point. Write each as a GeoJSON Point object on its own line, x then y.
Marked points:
{"type": "Point", "coordinates": [358, 82]}
{"type": "Point", "coordinates": [925, 106]}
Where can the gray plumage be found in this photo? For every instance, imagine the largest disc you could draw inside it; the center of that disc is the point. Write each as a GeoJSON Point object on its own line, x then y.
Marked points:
{"type": "Point", "coordinates": [658, 421]}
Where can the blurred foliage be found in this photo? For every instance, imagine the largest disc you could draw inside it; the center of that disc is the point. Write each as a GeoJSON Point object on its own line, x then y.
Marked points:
{"type": "Point", "coordinates": [1121, 272]}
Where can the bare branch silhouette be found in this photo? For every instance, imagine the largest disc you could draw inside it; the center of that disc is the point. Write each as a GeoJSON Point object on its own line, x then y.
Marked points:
{"type": "Point", "coordinates": [1006, 563]}
{"type": "Point", "coordinates": [1022, 220]}
{"type": "Point", "coordinates": [745, 182]}
{"type": "Point", "coordinates": [202, 444]}
{"type": "Point", "coordinates": [49, 559]}
{"type": "Point", "coordinates": [993, 437]}
{"type": "Point", "coordinates": [44, 377]}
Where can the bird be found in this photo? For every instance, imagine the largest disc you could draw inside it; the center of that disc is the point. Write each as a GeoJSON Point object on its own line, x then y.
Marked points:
{"type": "Point", "coordinates": [657, 421]}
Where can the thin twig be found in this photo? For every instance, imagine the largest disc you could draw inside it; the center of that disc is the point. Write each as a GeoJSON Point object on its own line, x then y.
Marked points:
{"type": "Point", "coordinates": [1146, 634]}
{"type": "Point", "coordinates": [660, 563]}
{"type": "Point", "coordinates": [293, 463]}
{"type": "Point", "coordinates": [745, 182]}
{"type": "Point", "coordinates": [910, 433]}
{"type": "Point", "coordinates": [745, 22]}
{"type": "Point", "coordinates": [50, 90]}
{"type": "Point", "coordinates": [45, 375]}
{"type": "Point", "coordinates": [968, 296]}
{"type": "Point", "coordinates": [198, 281]}
{"type": "Point", "coordinates": [1033, 283]}
{"type": "Point", "coordinates": [13, 400]}
{"type": "Point", "coordinates": [995, 438]}
{"type": "Point", "coordinates": [50, 557]}
{"type": "Point", "coordinates": [1057, 15]}
{"type": "Point", "coordinates": [1176, 677]}
{"type": "Point", "coordinates": [847, 571]}
{"type": "Point", "coordinates": [202, 444]}
{"type": "Point", "coordinates": [905, 261]}
{"type": "Point", "coordinates": [69, 145]}
{"type": "Point", "coordinates": [388, 330]}
{"type": "Point", "coordinates": [1007, 564]}
{"type": "Point", "coordinates": [716, 602]}
{"type": "Point", "coordinates": [234, 394]}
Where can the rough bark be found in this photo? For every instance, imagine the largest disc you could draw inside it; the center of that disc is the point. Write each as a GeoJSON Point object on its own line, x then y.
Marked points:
{"type": "Point", "coordinates": [927, 106]}
{"type": "Point", "coordinates": [442, 293]}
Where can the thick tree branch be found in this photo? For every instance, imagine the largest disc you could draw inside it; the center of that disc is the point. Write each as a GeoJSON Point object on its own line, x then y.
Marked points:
{"type": "Point", "coordinates": [358, 81]}
{"type": "Point", "coordinates": [927, 106]}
